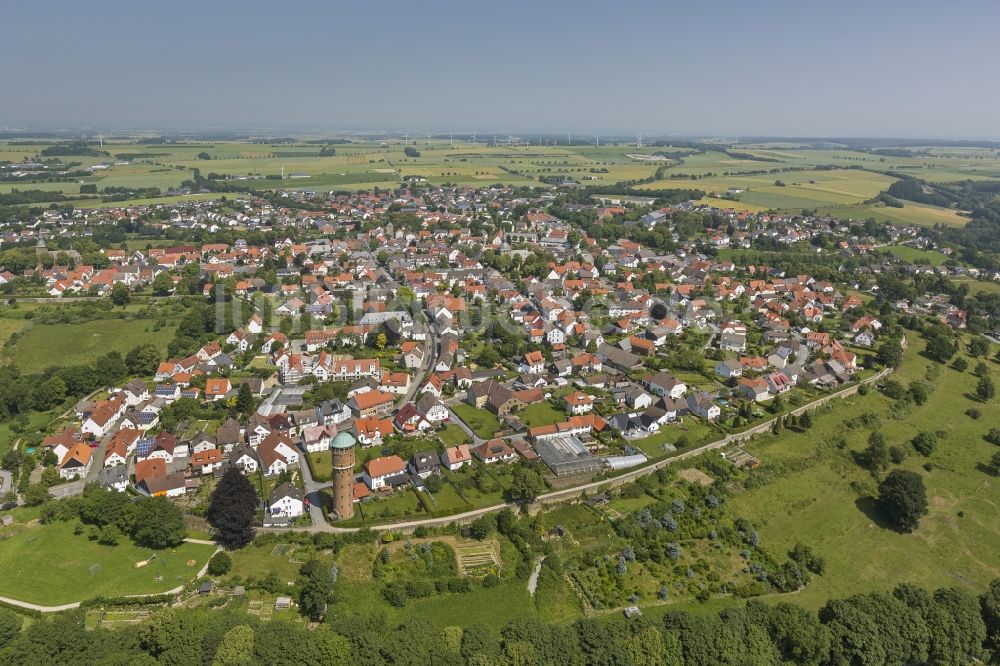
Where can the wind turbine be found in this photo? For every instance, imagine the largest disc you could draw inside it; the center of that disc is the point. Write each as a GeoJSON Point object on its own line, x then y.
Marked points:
{"type": "Point", "coordinates": [474, 139]}
{"type": "Point", "coordinates": [597, 141]}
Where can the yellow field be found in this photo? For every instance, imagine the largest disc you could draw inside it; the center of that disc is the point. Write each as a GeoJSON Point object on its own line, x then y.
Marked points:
{"type": "Point", "coordinates": [910, 213]}
{"type": "Point", "coordinates": [726, 203]}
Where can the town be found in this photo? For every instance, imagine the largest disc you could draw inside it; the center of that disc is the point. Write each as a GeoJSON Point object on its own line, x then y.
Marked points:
{"type": "Point", "coordinates": [454, 329]}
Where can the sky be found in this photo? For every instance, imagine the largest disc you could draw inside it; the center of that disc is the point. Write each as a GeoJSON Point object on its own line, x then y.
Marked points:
{"type": "Point", "coordinates": [877, 68]}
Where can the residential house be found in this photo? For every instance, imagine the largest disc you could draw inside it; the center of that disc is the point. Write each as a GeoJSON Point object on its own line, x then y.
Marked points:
{"type": "Point", "coordinates": [277, 454]}
{"type": "Point", "coordinates": [424, 463]}
{"type": "Point", "coordinates": [665, 384]}
{"type": "Point", "coordinates": [380, 472]}
{"type": "Point", "coordinates": [371, 403]}
{"type": "Point", "coordinates": [494, 451]}
{"type": "Point", "coordinates": [701, 404]}
{"type": "Point", "coordinates": [754, 388]}
{"type": "Point", "coordinates": [286, 502]}
{"type": "Point", "coordinates": [76, 462]}
{"type": "Point", "coordinates": [456, 457]}
{"type": "Point", "coordinates": [579, 402]}
{"type": "Point", "coordinates": [370, 431]}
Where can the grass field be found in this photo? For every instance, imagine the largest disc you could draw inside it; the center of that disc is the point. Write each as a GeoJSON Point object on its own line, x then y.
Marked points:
{"type": "Point", "coordinates": [914, 254]}
{"type": "Point", "coordinates": [49, 565]}
{"type": "Point", "coordinates": [482, 422]}
{"type": "Point", "coordinates": [824, 503]}
{"type": "Point", "coordinates": [67, 344]}
{"type": "Point", "coordinates": [541, 413]}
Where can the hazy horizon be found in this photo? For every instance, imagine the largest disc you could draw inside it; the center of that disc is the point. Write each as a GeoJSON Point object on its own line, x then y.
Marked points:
{"type": "Point", "coordinates": [726, 69]}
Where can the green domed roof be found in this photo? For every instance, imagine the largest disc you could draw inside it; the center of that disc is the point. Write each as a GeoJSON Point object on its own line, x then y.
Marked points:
{"type": "Point", "coordinates": [343, 440]}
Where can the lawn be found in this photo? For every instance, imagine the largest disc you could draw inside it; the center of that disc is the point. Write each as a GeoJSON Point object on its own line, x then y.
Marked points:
{"type": "Point", "coordinates": [321, 465]}
{"type": "Point", "coordinates": [453, 435]}
{"type": "Point", "coordinates": [483, 423]}
{"type": "Point", "coordinates": [49, 565]}
{"type": "Point", "coordinates": [67, 344]}
{"type": "Point", "coordinates": [541, 413]}
{"type": "Point", "coordinates": [822, 500]}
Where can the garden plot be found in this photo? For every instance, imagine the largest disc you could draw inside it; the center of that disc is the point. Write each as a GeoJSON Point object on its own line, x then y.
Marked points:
{"type": "Point", "coordinates": [478, 558]}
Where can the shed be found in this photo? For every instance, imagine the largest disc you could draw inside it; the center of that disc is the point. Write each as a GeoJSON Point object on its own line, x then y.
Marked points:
{"type": "Point", "coordinates": [282, 602]}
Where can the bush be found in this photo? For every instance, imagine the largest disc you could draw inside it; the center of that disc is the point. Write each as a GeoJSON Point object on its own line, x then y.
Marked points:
{"type": "Point", "coordinates": [220, 564]}
{"type": "Point", "coordinates": [925, 443]}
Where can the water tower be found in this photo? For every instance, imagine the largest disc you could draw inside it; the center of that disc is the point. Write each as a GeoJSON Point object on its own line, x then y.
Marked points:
{"type": "Point", "coordinates": [343, 475]}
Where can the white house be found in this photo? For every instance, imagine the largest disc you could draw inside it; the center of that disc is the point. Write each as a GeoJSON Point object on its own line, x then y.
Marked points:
{"type": "Point", "coordinates": [104, 416]}
{"type": "Point", "coordinates": [286, 502]}
{"type": "Point", "coordinates": [664, 384]}
{"type": "Point", "coordinates": [277, 454]}
{"type": "Point", "coordinates": [378, 471]}
{"type": "Point", "coordinates": [432, 409]}
{"type": "Point", "coordinates": [317, 438]}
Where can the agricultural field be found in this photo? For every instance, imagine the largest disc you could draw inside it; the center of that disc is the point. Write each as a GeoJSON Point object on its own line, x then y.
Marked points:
{"type": "Point", "coordinates": [801, 189]}
{"type": "Point", "coordinates": [820, 495]}
{"type": "Point", "coordinates": [49, 565]}
{"type": "Point", "coordinates": [911, 213]}
{"type": "Point", "coordinates": [365, 164]}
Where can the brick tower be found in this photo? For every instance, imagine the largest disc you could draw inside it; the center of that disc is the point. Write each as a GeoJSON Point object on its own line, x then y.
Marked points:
{"type": "Point", "coordinates": [343, 475]}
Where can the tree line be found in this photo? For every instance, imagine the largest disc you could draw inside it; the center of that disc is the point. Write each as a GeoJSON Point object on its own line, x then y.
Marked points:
{"type": "Point", "coordinates": [907, 625]}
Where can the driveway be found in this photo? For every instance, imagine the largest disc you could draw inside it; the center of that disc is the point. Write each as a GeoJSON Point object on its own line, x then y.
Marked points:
{"type": "Point", "coordinates": [312, 488]}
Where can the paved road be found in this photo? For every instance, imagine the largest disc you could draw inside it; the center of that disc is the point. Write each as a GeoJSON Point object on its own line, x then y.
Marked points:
{"type": "Point", "coordinates": [576, 491]}
{"type": "Point", "coordinates": [68, 489]}
{"type": "Point", "coordinates": [312, 493]}
{"type": "Point", "coordinates": [430, 355]}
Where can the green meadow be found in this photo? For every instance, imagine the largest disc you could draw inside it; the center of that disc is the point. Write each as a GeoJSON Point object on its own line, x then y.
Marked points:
{"type": "Point", "coordinates": [819, 495]}
{"type": "Point", "coordinates": [50, 565]}
{"type": "Point", "coordinates": [43, 345]}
